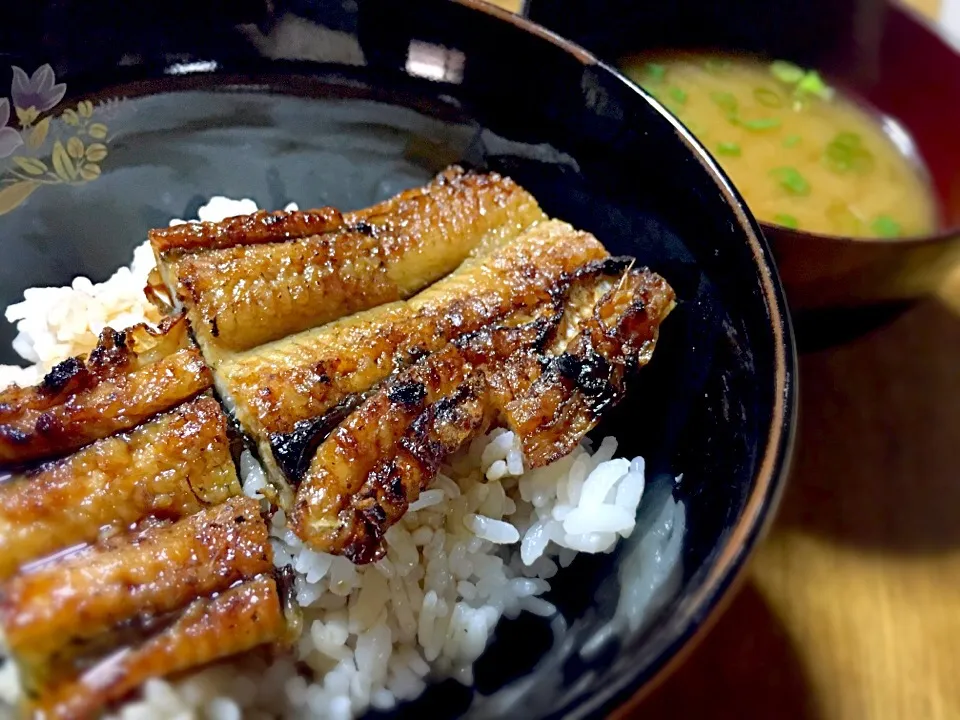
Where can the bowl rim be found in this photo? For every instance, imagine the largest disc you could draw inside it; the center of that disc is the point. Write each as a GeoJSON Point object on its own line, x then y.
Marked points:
{"type": "Point", "coordinates": [774, 464]}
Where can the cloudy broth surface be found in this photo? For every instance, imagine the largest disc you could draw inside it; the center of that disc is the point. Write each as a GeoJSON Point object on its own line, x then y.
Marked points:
{"type": "Point", "coordinates": [802, 155]}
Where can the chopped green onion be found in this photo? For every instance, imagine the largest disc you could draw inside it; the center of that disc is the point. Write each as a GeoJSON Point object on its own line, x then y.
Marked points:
{"type": "Point", "coordinates": [791, 180]}
{"type": "Point", "coordinates": [788, 221]}
{"type": "Point", "coordinates": [786, 72]}
{"type": "Point", "coordinates": [885, 226]}
{"type": "Point", "coordinates": [726, 101]}
{"type": "Point", "coordinates": [846, 152]}
{"type": "Point", "coordinates": [844, 221]}
{"type": "Point", "coordinates": [791, 141]}
{"type": "Point", "coordinates": [678, 94]}
{"type": "Point", "coordinates": [656, 71]}
{"type": "Point", "coordinates": [759, 124]}
{"type": "Point", "coordinates": [729, 148]}
{"type": "Point", "coordinates": [813, 84]}
{"type": "Point", "coordinates": [849, 139]}
{"type": "Point", "coordinates": [805, 82]}
{"type": "Point", "coordinates": [715, 65]}
{"type": "Point", "coordinates": [767, 97]}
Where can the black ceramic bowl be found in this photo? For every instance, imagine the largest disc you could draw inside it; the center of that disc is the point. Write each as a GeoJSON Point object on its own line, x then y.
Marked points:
{"type": "Point", "coordinates": [320, 105]}
{"type": "Point", "coordinates": [876, 49]}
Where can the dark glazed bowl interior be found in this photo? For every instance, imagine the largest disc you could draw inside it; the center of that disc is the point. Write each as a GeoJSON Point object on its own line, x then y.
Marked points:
{"type": "Point", "coordinates": [880, 51]}
{"type": "Point", "coordinates": [283, 109]}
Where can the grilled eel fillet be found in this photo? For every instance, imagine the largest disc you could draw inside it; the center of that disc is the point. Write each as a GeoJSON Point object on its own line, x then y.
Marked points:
{"type": "Point", "coordinates": [130, 376]}
{"type": "Point", "coordinates": [60, 615]}
{"type": "Point", "coordinates": [364, 475]}
{"type": "Point", "coordinates": [289, 394]}
{"type": "Point", "coordinates": [192, 581]}
{"type": "Point", "coordinates": [244, 617]}
{"type": "Point", "coordinates": [249, 280]}
{"type": "Point", "coordinates": [170, 467]}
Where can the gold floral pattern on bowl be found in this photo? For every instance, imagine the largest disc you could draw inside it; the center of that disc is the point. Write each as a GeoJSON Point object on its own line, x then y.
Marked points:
{"type": "Point", "coordinates": [49, 148]}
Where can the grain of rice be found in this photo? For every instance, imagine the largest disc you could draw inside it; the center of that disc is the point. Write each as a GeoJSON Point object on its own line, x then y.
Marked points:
{"type": "Point", "coordinates": [496, 531]}
{"type": "Point", "coordinates": [428, 498]}
{"type": "Point", "coordinates": [596, 518]}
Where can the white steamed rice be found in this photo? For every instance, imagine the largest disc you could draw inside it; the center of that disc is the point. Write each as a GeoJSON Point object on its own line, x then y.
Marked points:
{"type": "Point", "coordinates": [481, 544]}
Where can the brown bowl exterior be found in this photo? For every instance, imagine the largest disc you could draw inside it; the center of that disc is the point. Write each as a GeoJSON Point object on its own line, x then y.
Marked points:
{"type": "Point", "coordinates": [820, 272]}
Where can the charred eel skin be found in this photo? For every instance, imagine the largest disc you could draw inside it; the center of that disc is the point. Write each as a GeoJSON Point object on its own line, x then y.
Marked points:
{"type": "Point", "coordinates": [250, 280]}
{"type": "Point", "coordinates": [128, 378]}
{"type": "Point", "coordinates": [291, 393]}
{"type": "Point", "coordinates": [244, 617]}
{"type": "Point", "coordinates": [69, 607]}
{"type": "Point", "coordinates": [170, 467]}
{"type": "Point", "coordinates": [365, 474]}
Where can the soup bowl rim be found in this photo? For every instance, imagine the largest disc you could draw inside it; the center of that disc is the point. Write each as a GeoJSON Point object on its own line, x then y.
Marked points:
{"type": "Point", "coordinates": [944, 233]}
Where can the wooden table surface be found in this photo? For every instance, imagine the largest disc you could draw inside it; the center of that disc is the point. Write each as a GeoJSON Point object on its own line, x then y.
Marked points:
{"type": "Point", "coordinates": [851, 609]}
{"type": "Point", "coordinates": [852, 606]}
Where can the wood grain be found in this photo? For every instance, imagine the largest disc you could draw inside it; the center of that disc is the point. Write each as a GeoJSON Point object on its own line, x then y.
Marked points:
{"type": "Point", "coordinates": [930, 8]}
{"type": "Point", "coordinates": [852, 608]}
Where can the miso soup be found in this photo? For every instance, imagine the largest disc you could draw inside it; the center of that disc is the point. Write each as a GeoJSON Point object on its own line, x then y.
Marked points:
{"type": "Point", "coordinates": [802, 154]}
